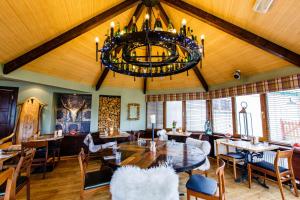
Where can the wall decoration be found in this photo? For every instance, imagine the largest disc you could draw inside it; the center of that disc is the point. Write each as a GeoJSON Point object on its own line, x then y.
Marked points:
{"type": "Point", "coordinates": [29, 119]}
{"type": "Point", "coordinates": [109, 112]}
{"type": "Point", "coordinates": [133, 112]}
{"type": "Point", "coordinates": [73, 113]}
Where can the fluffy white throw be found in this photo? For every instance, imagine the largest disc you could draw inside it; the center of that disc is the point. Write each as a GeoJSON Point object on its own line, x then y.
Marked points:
{"type": "Point", "coordinates": [162, 134]}
{"type": "Point", "coordinates": [205, 147]}
{"type": "Point", "coordinates": [133, 183]}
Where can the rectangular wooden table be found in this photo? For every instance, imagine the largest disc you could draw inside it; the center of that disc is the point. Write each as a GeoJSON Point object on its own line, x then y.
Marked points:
{"type": "Point", "coordinates": [248, 146]}
{"type": "Point", "coordinates": [114, 135]}
{"type": "Point", "coordinates": [8, 153]}
{"type": "Point", "coordinates": [251, 151]}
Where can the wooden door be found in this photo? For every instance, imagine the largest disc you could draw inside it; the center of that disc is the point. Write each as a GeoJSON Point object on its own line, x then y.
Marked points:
{"type": "Point", "coordinates": [8, 107]}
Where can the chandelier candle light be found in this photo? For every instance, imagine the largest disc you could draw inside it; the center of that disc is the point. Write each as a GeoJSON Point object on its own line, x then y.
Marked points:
{"type": "Point", "coordinates": [167, 52]}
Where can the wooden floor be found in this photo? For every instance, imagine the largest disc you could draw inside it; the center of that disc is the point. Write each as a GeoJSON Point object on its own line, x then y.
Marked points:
{"type": "Point", "coordinates": [64, 183]}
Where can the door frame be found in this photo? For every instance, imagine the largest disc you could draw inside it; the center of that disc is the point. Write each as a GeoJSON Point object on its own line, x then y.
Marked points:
{"type": "Point", "coordinates": [13, 111]}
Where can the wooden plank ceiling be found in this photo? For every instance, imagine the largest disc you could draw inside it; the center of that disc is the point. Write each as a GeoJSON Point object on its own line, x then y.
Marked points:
{"type": "Point", "coordinates": [27, 24]}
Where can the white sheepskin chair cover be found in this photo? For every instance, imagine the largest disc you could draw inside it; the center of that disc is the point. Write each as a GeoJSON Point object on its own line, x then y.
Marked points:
{"type": "Point", "coordinates": [133, 183]}
{"type": "Point", "coordinates": [162, 135]}
{"type": "Point", "coordinates": [89, 142]}
{"type": "Point", "coordinates": [205, 147]}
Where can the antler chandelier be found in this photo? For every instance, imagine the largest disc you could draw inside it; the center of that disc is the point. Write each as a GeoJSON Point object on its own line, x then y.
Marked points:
{"type": "Point", "coordinates": [150, 51]}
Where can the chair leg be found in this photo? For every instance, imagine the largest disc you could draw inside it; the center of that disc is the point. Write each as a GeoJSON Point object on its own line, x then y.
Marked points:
{"type": "Point", "coordinates": [45, 168]}
{"type": "Point", "coordinates": [218, 160]}
{"type": "Point", "coordinates": [280, 188]}
{"type": "Point", "coordinates": [28, 190]}
{"type": "Point", "coordinates": [295, 186]}
{"type": "Point", "coordinates": [234, 169]}
{"type": "Point", "coordinates": [249, 175]}
{"type": "Point", "coordinates": [188, 196]}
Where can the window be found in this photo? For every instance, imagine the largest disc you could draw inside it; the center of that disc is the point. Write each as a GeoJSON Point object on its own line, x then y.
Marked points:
{"type": "Point", "coordinates": [254, 110]}
{"type": "Point", "coordinates": [174, 113]}
{"type": "Point", "coordinates": [284, 116]}
{"type": "Point", "coordinates": [155, 108]}
{"type": "Point", "coordinates": [222, 115]}
{"type": "Point", "coordinates": [195, 115]}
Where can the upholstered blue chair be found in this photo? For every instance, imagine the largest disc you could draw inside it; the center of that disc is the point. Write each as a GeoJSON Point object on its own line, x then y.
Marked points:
{"type": "Point", "coordinates": [94, 180]}
{"type": "Point", "coordinates": [233, 157]}
{"type": "Point", "coordinates": [207, 188]}
{"type": "Point", "coordinates": [273, 169]}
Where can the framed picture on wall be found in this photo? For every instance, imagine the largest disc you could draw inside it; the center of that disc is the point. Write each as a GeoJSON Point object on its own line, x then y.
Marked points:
{"type": "Point", "coordinates": [133, 111]}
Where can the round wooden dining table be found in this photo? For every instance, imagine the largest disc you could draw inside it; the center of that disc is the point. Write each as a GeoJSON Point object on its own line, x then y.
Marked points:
{"type": "Point", "coordinates": [180, 156]}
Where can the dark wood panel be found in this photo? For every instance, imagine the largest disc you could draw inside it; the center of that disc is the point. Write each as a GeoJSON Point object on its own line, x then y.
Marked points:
{"type": "Point", "coordinates": [67, 36]}
{"type": "Point", "coordinates": [236, 31]}
{"type": "Point", "coordinates": [296, 163]}
{"type": "Point", "coordinates": [8, 107]}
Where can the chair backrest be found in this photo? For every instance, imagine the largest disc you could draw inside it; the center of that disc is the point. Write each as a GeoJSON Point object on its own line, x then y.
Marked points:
{"type": "Point", "coordinates": [288, 154]}
{"type": "Point", "coordinates": [7, 176]}
{"type": "Point", "coordinates": [83, 163]}
{"type": "Point", "coordinates": [218, 144]}
{"type": "Point", "coordinates": [133, 183]}
{"type": "Point", "coordinates": [221, 179]}
{"type": "Point", "coordinates": [26, 146]}
{"type": "Point", "coordinates": [24, 164]}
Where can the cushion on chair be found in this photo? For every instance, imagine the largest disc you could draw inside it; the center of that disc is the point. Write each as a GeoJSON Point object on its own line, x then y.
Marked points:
{"type": "Point", "coordinates": [267, 166]}
{"type": "Point", "coordinates": [20, 182]}
{"type": "Point", "coordinates": [201, 184]}
{"type": "Point", "coordinates": [97, 178]}
{"type": "Point", "coordinates": [235, 155]}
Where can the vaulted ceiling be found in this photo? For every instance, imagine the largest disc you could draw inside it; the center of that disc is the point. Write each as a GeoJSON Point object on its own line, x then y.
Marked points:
{"type": "Point", "coordinates": [27, 24]}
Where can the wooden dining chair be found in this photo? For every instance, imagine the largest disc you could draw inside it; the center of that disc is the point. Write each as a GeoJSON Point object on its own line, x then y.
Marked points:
{"type": "Point", "coordinates": [21, 176]}
{"type": "Point", "coordinates": [41, 155]}
{"type": "Point", "coordinates": [92, 181]}
{"type": "Point", "coordinates": [280, 173]}
{"type": "Point", "coordinates": [207, 188]}
{"type": "Point", "coordinates": [233, 157]}
{"type": "Point", "coordinates": [6, 179]}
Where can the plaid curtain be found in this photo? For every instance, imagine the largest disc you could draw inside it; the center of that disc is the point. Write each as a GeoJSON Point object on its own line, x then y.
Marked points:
{"type": "Point", "coordinates": [273, 85]}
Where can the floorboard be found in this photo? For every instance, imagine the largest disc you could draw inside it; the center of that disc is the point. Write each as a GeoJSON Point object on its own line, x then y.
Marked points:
{"type": "Point", "coordinates": [64, 182]}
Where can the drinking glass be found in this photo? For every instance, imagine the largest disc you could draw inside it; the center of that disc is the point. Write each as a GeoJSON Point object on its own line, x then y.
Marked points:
{"type": "Point", "coordinates": [118, 156]}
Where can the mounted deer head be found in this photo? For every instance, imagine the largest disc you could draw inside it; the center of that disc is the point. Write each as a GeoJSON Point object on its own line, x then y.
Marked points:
{"type": "Point", "coordinates": [72, 109]}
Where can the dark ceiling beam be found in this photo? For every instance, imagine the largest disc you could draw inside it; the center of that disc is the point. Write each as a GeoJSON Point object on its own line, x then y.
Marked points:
{"type": "Point", "coordinates": [163, 14]}
{"type": "Point", "coordinates": [67, 36]}
{"type": "Point", "coordinates": [236, 31]}
{"type": "Point", "coordinates": [102, 77]}
{"type": "Point", "coordinates": [145, 86]}
{"type": "Point", "coordinates": [137, 13]}
{"type": "Point", "coordinates": [201, 78]}
{"type": "Point", "coordinates": [166, 19]}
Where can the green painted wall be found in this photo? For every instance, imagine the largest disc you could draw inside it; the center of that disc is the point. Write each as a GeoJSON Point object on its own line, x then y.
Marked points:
{"type": "Point", "coordinates": [44, 87]}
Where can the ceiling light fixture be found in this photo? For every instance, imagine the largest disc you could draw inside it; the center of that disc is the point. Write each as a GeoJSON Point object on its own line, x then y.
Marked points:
{"type": "Point", "coordinates": [150, 51]}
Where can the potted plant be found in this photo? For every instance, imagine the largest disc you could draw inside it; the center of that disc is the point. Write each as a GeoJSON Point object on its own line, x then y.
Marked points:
{"type": "Point", "coordinates": [174, 126]}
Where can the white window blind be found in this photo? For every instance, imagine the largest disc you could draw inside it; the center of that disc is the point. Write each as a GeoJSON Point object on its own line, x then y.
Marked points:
{"type": "Point", "coordinates": [174, 113]}
{"type": "Point", "coordinates": [284, 116]}
{"type": "Point", "coordinates": [195, 115]}
{"type": "Point", "coordinates": [254, 110]}
{"type": "Point", "coordinates": [155, 108]}
{"type": "Point", "coordinates": [222, 115]}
